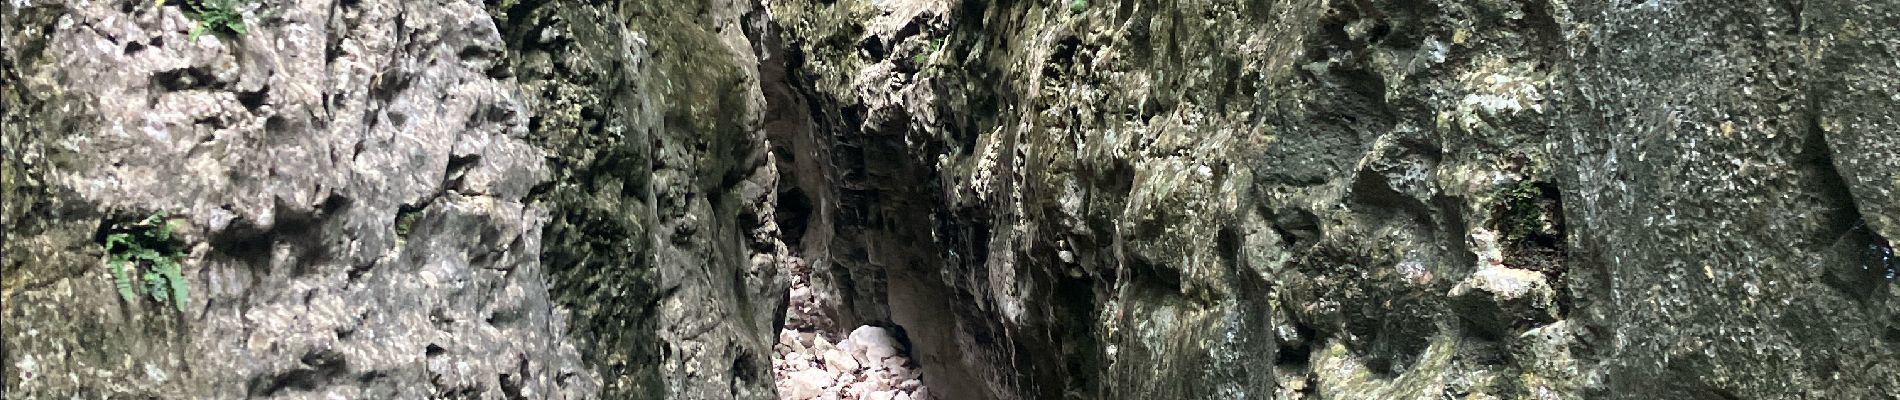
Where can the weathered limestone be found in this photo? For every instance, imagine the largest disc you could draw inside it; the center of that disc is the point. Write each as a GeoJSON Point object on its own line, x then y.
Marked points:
{"type": "Point", "coordinates": [391, 199]}
{"type": "Point", "coordinates": [1030, 200]}
{"type": "Point", "coordinates": [1356, 199]}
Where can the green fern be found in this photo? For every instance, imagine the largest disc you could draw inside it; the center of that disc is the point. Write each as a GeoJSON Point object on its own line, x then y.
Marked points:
{"type": "Point", "coordinates": [120, 274]}
{"type": "Point", "coordinates": [179, 288]}
{"type": "Point", "coordinates": [147, 247]}
{"type": "Point", "coordinates": [152, 286]}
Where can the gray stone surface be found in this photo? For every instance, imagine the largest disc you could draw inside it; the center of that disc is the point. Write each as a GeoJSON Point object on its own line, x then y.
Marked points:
{"type": "Point", "coordinates": [387, 199]}
{"type": "Point", "coordinates": [1726, 213]}
{"type": "Point", "coordinates": [353, 200]}
{"type": "Point", "coordinates": [1357, 199]}
{"type": "Point", "coordinates": [1040, 200]}
{"type": "Point", "coordinates": [663, 244]}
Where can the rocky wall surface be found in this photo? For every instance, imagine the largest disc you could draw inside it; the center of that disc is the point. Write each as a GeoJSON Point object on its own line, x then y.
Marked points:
{"type": "Point", "coordinates": [667, 249]}
{"type": "Point", "coordinates": [390, 199]}
{"type": "Point", "coordinates": [352, 205]}
{"type": "Point", "coordinates": [1321, 199]}
{"type": "Point", "coordinates": [1356, 199]}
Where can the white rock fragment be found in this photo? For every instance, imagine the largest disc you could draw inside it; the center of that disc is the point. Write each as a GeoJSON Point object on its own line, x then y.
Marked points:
{"type": "Point", "coordinates": [865, 364]}
{"type": "Point", "coordinates": [808, 384]}
{"type": "Point", "coordinates": [839, 361]}
{"type": "Point", "coordinates": [876, 342]}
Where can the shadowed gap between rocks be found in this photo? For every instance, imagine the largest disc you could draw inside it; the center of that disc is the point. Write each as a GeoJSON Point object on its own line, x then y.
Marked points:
{"type": "Point", "coordinates": [867, 310]}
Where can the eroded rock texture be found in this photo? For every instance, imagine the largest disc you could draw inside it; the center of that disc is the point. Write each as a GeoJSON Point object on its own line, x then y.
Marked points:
{"type": "Point", "coordinates": [354, 204]}
{"type": "Point", "coordinates": [1356, 199]}
{"type": "Point", "coordinates": [664, 244]}
{"type": "Point", "coordinates": [391, 199]}
{"type": "Point", "coordinates": [1121, 199]}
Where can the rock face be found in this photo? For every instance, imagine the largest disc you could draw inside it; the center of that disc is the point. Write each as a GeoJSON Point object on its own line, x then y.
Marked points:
{"type": "Point", "coordinates": [1036, 200]}
{"type": "Point", "coordinates": [1355, 199]}
{"type": "Point", "coordinates": [354, 207]}
{"type": "Point", "coordinates": [390, 199]}
{"type": "Point", "coordinates": [663, 243]}
{"type": "Point", "coordinates": [1736, 219]}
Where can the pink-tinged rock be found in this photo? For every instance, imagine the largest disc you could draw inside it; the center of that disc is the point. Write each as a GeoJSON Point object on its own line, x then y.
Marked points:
{"type": "Point", "coordinates": [862, 389]}
{"type": "Point", "coordinates": [876, 342]}
{"type": "Point", "coordinates": [1505, 301]}
{"type": "Point", "coordinates": [808, 384]}
{"type": "Point", "coordinates": [837, 360]}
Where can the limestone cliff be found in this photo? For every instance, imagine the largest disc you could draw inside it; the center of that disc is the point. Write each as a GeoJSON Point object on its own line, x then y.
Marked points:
{"type": "Point", "coordinates": [1106, 199]}
{"type": "Point", "coordinates": [1359, 199]}
{"type": "Point", "coordinates": [391, 199]}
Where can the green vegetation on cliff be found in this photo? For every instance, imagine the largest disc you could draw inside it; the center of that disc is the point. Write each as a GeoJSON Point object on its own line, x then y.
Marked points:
{"type": "Point", "coordinates": [215, 15]}
{"type": "Point", "coordinates": [147, 247]}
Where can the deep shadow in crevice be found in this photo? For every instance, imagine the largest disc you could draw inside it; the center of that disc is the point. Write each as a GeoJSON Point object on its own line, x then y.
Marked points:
{"type": "Point", "coordinates": [1298, 228]}
{"type": "Point", "coordinates": [1296, 355]}
{"type": "Point", "coordinates": [1858, 261]}
{"type": "Point", "coordinates": [320, 369]}
{"type": "Point", "coordinates": [190, 78]}
{"type": "Point", "coordinates": [300, 231]}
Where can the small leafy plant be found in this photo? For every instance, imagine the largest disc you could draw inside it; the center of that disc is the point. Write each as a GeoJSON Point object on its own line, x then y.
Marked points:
{"type": "Point", "coordinates": [923, 56]}
{"type": "Point", "coordinates": [146, 248]}
{"type": "Point", "coordinates": [214, 15]}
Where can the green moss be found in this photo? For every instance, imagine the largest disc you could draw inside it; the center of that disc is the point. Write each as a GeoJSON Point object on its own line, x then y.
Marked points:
{"type": "Point", "coordinates": [936, 45]}
{"type": "Point", "coordinates": [830, 32]}
{"type": "Point", "coordinates": [6, 182]}
{"type": "Point", "coordinates": [9, 278]}
{"type": "Point", "coordinates": [608, 118]}
{"type": "Point", "coordinates": [1522, 215]}
{"type": "Point", "coordinates": [406, 221]}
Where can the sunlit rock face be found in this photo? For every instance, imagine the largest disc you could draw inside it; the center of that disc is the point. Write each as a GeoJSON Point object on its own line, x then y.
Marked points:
{"type": "Point", "coordinates": [391, 199]}
{"type": "Point", "coordinates": [355, 207]}
{"type": "Point", "coordinates": [1029, 200]}
{"type": "Point", "coordinates": [1355, 199]}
